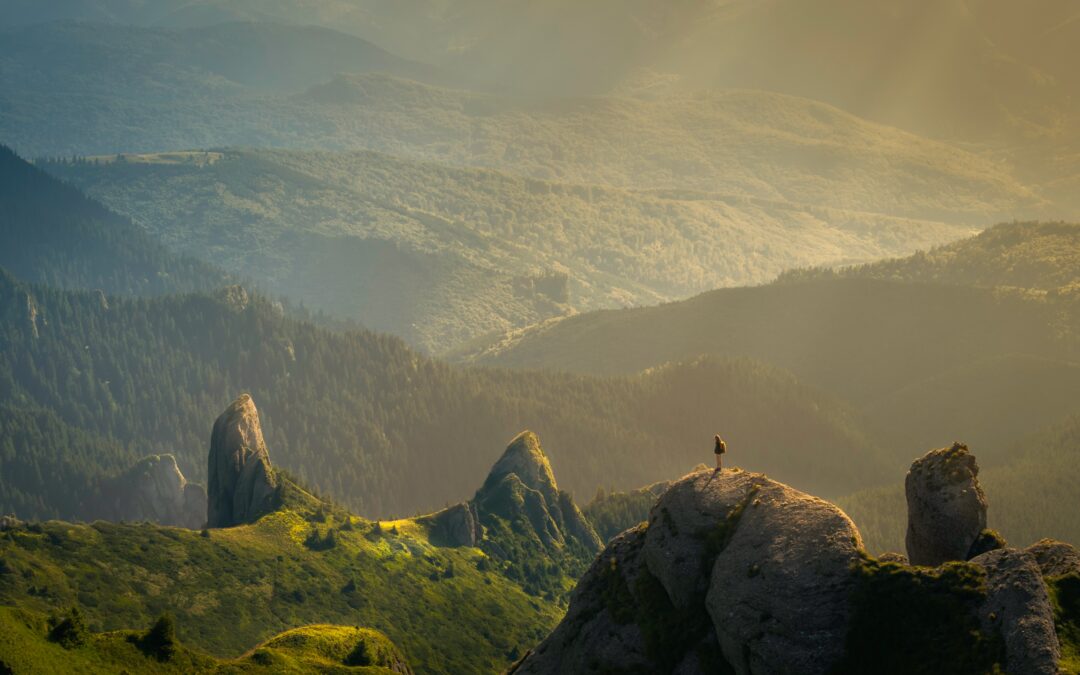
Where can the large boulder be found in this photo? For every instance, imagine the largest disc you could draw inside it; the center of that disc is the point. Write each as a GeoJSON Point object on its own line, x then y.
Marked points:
{"type": "Point", "coordinates": [155, 490]}
{"type": "Point", "coordinates": [690, 518]}
{"type": "Point", "coordinates": [946, 506]}
{"type": "Point", "coordinates": [780, 586]}
{"type": "Point", "coordinates": [734, 572]}
{"type": "Point", "coordinates": [1017, 607]}
{"type": "Point", "coordinates": [1055, 558]}
{"type": "Point", "coordinates": [241, 486]}
{"type": "Point", "coordinates": [731, 570]}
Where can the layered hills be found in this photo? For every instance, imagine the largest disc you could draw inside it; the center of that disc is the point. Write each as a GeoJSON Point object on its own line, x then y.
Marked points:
{"type": "Point", "coordinates": [94, 382]}
{"type": "Point", "coordinates": [976, 340]}
{"type": "Point", "coordinates": [80, 374]}
{"type": "Point", "coordinates": [439, 255]}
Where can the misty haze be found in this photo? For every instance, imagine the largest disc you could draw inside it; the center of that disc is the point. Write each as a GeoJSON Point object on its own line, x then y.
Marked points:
{"type": "Point", "coordinates": [540, 337]}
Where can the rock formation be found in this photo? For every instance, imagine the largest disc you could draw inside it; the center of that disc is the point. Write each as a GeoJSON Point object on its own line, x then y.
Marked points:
{"type": "Point", "coordinates": [1017, 607]}
{"type": "Point", "coordinates": [734, 572]}
{"type": "Point", "coordinates": [521, 485]}
{"type": "Point", "coordinates": [455, 526]}
{"type": "Point", "coordinates": [241, 483]}
{"type": "Point", "coordinates": [946, 506]}
{"type": "Point", "coordinates": [156, 491]}
{"type": "Point", "coordinates": [731, 566]}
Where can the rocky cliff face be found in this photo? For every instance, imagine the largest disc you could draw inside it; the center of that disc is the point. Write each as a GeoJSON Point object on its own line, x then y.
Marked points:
{"type": "Point", "coordinates": [736, 573]}
{"type": "Point", "coordinates": [241, 486]}
{"type": "Point", "coordinates": [946, 506]}
{"type": "Point", "coordinates": [155, 490]}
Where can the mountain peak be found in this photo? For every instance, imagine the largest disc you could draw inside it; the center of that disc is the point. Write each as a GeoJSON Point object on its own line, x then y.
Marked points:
{"type": "Point", "coordinates": [525, 458]}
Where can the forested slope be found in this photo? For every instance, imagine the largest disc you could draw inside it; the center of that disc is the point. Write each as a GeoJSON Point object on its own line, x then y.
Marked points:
{"type": "Point", "coordinates": [438, 254]}
{"type": "Point", "coordinates": [365, 419]}
{"type": "Point", "coordinates": [52, 233]}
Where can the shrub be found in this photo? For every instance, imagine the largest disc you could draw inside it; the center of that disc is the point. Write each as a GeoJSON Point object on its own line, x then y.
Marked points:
{"type": "Point", "coordinates": [160, 641]}
{"type": "Point", "coordinates": [69, 631]}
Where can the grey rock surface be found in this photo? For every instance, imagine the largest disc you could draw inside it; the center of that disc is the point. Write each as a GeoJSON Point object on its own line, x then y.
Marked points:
{"type": "Point", "coordinates": [241, 486]}
{"type": "Point", "coordinates": [683, 522]}
{"type": "Point", "coordinates": [893, 557]}
{"type": "Point", "coordinates": [763, 569]}
{"type": "Point", "coordinates": [1055, 558]}
{"type": "Point", "coordinates": [457, 525]}
{"type": "Point", "coordinates": [946, 506]}
{"type": "Point", "coordinates": [780, 588]}
{"type": "Point", "coordinates": [1017, 606]}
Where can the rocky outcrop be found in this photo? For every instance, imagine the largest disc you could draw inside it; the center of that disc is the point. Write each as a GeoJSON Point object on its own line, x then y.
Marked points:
{"type": "Point", "coordinates": [946, 506]}
{"type": "Point", "coordinates": [1017, 607]}
{"type": "Point", "coordinates": [751, 569]}
{"type": "Point", "coordinates": [241, 483]}
{"type": "Point", "coordinates": [154, 490]}
{"type": "Point", "coordinates": [454, 526]}
{"type": "Point", "coordinates": [521, 485]}
{"type": "Point", "coordinates": [1055, 558]}
{"type": "Point", "coordinates": [734, 572]}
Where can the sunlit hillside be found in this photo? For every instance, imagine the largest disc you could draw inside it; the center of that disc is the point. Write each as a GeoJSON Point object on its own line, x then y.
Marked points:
{"type": "Point", "coordinates": [440, 255]}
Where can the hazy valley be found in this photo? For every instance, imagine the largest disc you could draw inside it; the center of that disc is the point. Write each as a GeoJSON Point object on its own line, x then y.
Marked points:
{"type": "Point", "coordinates": [362, 336]}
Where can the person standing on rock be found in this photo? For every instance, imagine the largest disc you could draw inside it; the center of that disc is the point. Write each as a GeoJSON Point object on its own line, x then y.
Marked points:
{"type": "Point", "coordinates": [719, 450]}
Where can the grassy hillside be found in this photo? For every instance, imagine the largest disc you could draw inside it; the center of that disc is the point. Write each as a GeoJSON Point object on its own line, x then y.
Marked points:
{"type": "Point", "coordinates": [26, 647]}
{"type": "Point", "coordinates": [439, 255]}
{"type": "Point", "coordinates": [232, 589]}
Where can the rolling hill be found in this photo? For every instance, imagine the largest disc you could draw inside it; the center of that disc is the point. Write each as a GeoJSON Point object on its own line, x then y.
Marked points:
{"type": "Point", "coordinates": [920, 358]}
{"type": "Point", "coordinates": [440, 255]}
{"type": "Point", "coordinates": [974, 341]}
{"type": "Point", "coordinates": [956, 68]}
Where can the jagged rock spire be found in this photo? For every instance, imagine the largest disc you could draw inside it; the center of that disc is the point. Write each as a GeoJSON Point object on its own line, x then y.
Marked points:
{"type": "Point", "coordinates": [242, 486]}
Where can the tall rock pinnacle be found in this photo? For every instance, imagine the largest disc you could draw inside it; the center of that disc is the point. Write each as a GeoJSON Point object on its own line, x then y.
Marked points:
{"type": "Point", "coordinates": [242, 486]}
{"type": "Point", "coordinates": [946, 506]}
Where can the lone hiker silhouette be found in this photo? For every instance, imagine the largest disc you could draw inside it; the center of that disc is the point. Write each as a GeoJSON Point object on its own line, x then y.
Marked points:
{"type": "Point", "coordinates": [719, 450]}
